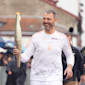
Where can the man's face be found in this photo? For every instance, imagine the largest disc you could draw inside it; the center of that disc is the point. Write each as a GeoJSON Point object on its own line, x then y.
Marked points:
{"type": "Point", "coordinates": [48, 21]}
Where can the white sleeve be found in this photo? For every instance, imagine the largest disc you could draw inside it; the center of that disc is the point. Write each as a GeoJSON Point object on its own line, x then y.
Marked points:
{"type": "Point", "coordinates": [28, 52]}
{"type": "Point", "coordinates": [68, 52]}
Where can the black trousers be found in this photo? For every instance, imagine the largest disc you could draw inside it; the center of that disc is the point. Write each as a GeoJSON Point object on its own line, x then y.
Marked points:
{"type": "Point", "coordinates": [16, 79]}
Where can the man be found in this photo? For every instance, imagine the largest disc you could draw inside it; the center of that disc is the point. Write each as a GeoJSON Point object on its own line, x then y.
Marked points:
{"type": "Point", "coordinates": [46, 47]}
{"type": "Point", "coordinates": [78, 66]}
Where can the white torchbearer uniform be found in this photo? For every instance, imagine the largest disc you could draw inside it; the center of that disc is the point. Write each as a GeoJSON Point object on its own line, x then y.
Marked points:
{"type": "Point", "coordinates": [46, 67]}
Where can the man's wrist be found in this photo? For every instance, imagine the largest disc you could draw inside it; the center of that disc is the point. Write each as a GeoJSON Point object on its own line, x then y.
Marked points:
{"type": "Point", "coordinates": [69, 66]}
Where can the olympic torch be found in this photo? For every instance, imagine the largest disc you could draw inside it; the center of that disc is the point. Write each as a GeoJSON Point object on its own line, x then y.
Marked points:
{"type": "Point", "coordinates": [18, 37]}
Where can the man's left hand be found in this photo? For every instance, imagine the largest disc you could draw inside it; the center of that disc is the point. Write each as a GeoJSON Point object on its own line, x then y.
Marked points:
{"type": "Point", "coordinates": [68, 72]}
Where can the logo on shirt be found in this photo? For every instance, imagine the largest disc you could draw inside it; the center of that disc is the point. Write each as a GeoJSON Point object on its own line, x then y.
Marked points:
{"type": "Point", "coordinates": [54, 38]}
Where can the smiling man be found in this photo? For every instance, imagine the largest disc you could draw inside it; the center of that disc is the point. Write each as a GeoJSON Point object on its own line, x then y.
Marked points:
{"type": "Point", "coordinates": [46, 48]}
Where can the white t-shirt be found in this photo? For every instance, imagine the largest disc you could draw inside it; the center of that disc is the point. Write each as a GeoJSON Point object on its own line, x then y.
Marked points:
{"type": "Point", "coordinates": [47, 61]}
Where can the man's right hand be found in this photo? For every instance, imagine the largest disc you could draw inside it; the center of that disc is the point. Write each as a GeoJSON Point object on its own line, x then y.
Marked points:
{"type": "Point", "coordinates": [9, 73]}
{"type": "Point", "coordinates": [16, 51]}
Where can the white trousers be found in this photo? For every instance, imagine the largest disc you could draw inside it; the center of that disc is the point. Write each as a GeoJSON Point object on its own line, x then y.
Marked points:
{"type": "Point", "coordinates": [46, 83]}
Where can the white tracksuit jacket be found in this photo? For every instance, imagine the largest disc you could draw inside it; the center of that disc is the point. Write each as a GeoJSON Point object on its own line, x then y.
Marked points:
{"type": "Point", "coordinates": [47, 61]}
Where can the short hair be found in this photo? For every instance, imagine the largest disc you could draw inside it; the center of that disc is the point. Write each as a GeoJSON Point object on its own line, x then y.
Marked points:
{"type": "Point", "coordinates": [51, 11]}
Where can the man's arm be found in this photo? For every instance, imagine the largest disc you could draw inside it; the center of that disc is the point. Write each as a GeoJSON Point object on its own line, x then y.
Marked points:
{"type": "Point", "coordinates": [28, 52]}
{"type": "Point", "coordinates": [70, 59]}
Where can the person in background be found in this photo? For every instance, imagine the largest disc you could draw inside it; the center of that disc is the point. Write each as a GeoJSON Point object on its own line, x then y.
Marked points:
{"type": "Point", "coordinates": [15, 75]}
{"type": "Point", "coordinates": [2, 51]}
{"type": "Point", "coordinates": [78, 65]}
{"type": "Point", "coordinates": [82, 80]}
{"type": "Point", "coordinates": [46, 48]}
{"type": "Point", "coordinates": [29, 62]}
